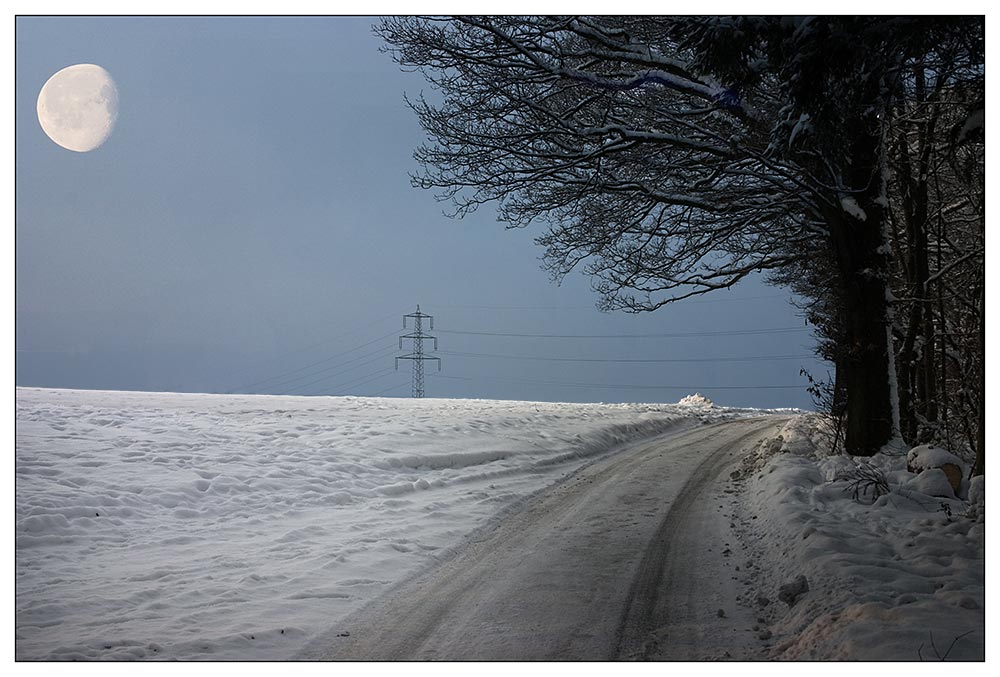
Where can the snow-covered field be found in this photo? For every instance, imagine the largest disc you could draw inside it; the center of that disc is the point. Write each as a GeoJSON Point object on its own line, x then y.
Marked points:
{"type": "Point", "coordinates": [156, 525]}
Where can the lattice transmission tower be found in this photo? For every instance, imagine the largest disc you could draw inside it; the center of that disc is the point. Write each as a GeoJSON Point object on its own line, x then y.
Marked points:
{"type": "Point", "coordinates": [417, 356]}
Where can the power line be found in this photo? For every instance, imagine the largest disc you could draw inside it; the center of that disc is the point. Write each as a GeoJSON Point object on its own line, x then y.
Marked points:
{"type": "Point", "coordinates": [335, 390]}
{"type": "Point", "coordinates": [389, 389]}
{"type": "Point", "coordinates": [362, 380]}
{"type": "Point", "coordinates": [314, 364]}
{"type": "Point", "coordinates": [751, 358]}
{"type": "Point", "coordinates": [733, 332]}
{"type": "Point", "coordinates": [379, 351]}
{"type": "Point", "coordinates": [315, 345]}
{"type": "Point", "coordinates": [346, 333]}
{"type": "Point", "coordinates": [385, 372]}
{"type": "Point", "coordinates": [619, 386]}
{"type": "Point", "coordinates": [382, 354]}
{"type": "Point", "coordinates": [686, 302]}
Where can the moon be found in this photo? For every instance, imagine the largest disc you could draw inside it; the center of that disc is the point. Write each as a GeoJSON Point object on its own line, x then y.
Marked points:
{"type": "Point", "coordinates": [78, 107]}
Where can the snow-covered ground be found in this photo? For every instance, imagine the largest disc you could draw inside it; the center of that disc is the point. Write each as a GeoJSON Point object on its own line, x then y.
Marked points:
{"type": "Point", "coordinates": [898, 578]}
{"type": "Point", "coordinates": [156, 525]}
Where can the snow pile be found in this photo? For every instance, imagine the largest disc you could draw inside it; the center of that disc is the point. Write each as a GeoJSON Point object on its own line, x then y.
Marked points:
{"type": "Point", "coordinates": [897, 574]}
{"type": "Point", "coordinates": [928, 456]}
{"type": "Point", "coordinates": [935, 463]}
{"type": "Point", "coordinates": [158, 525]}
{"type": "Point", "coordinates": [696, 400]}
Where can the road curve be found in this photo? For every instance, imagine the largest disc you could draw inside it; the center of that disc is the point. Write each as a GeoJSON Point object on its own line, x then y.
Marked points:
{"type": "Point", "coordinates": [622, 560]}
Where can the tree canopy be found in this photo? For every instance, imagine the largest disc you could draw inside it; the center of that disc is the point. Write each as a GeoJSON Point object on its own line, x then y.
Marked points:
{"type": "Point", "coordinates": [671, 156]}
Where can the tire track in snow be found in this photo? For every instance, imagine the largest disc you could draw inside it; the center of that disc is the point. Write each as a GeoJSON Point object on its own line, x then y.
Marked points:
{"type": "Point", "coordinates": [576, 573]}
{"type": "Point", "coordinates": [666, 577]}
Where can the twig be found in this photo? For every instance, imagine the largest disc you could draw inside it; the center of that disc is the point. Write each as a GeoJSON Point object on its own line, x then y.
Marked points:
{"type": "Point", "coordinates": [934, 647]}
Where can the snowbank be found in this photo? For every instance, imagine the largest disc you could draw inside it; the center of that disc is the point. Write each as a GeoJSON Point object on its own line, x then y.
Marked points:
{"type": "Point", "coordinates": [891, 576]}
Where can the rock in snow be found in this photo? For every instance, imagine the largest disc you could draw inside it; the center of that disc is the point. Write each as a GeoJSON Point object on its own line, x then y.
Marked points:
{"type": "Point", "coordinates": [927, 456]}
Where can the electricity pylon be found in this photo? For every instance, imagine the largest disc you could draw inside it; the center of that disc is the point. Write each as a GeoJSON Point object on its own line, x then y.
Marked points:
{"type": "Point", "coordinates": [417, 356]}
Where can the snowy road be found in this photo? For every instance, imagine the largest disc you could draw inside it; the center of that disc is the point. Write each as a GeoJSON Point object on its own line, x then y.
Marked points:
{"type": "Point", "coordinates": [601, 566]}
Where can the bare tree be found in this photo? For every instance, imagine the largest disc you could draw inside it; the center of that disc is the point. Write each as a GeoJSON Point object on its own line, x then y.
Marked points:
{"type": "Point", "coordinates": [675, 156]}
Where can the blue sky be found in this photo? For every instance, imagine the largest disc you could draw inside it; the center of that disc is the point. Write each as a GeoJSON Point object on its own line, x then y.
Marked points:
{"type": "Point", "coordinates": [250, 226]}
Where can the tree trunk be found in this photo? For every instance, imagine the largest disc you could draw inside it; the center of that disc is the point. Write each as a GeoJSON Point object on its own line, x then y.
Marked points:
{"type": "Point", "coordinates": [979, 467]}
{"type": "Point", "coordinates": [917, 370]}
{"type": "Point", "coordinates": [862, 256]}
{"type": "Point", "coordinates": [864, 370]}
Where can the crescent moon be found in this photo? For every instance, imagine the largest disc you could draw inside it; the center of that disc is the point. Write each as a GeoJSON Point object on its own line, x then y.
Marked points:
{"type": "Point", "coordinates": [78, 107]}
